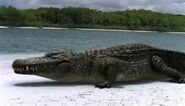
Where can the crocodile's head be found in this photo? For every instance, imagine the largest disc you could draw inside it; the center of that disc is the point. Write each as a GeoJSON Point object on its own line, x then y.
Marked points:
{"type": "Point", "coordinates": [46, 66]}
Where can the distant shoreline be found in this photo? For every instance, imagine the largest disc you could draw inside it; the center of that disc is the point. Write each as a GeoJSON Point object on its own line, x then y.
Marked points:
{"type": "Point", "coordinates": [86, 29]}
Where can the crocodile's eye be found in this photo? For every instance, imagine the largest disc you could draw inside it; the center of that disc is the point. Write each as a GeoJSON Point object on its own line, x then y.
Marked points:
{"type": "Point", "coordinates": [51, 54]}
{"type": "Point", "coordinates": [55, 57]}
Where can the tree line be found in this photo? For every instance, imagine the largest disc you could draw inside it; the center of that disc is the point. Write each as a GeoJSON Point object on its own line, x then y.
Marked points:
{"type": "Point", "coordinates": [72, 17]}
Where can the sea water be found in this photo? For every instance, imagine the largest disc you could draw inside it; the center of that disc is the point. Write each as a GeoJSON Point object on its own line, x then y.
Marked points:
{"type": "Point", "coordinates": [13, 40]}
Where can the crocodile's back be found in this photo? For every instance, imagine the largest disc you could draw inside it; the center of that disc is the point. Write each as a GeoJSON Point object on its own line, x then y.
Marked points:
{"type": "Point", "coordinates": [129, 52]}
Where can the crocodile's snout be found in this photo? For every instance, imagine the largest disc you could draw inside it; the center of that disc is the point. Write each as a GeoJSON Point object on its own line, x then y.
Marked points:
{"type": "Point", "coordinates": [29, 66]}
{"type": "Point", "coordinates": [20, 66]}
{"type": "Point", "coordinates": [18, 62]}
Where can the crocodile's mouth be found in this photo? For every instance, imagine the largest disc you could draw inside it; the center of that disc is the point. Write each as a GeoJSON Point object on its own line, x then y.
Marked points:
{"type": "Point", "coordinates": [34, 65]}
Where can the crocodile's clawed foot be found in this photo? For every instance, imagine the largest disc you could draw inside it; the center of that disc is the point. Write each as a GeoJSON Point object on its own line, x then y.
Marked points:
{"type": "Point", "coordinates": [103, 85]}
{"type": "Point", "coordinates": [178, 80]}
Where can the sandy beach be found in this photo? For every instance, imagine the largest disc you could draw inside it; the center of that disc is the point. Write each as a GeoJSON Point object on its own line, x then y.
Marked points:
{"type": "Point", "coordinates": [25, 90]}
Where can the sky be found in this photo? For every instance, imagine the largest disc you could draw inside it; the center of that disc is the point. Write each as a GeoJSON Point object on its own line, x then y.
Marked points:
{"type": "Point", "coordinates": [167, 6]}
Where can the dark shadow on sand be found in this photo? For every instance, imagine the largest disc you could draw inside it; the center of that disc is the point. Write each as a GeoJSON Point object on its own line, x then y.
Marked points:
{"type": "Point", "coordinates": [48, 84]}
{"type": "Point", "coordinates": [55, 83]}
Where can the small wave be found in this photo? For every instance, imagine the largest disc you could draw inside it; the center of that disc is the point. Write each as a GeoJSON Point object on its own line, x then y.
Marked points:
{"type": "Point", "coordinates": [3, 27]}
{"type": "Point", "coordinates": [27, 27]}
{"type": "Point", "coordinates": [52, 28]}
{"type": "Point", "coordinates": [112, 30]}
{"type": "Point", "coordinates": [177, 32]}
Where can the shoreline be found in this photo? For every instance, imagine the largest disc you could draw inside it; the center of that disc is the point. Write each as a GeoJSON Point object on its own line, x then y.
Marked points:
{"type": "Point", "coordinates": [86, 29]}
{"type": "Point", "coordinates": [22, 53]}
{"type": "Point", "coordinates": [111, 30]}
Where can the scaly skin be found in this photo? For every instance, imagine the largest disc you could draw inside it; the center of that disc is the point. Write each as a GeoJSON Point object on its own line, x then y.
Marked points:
{"type": "Point", "coordinates": [105, 66]}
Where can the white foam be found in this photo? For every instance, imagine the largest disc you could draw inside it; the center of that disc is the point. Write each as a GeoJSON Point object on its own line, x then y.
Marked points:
{"type": "Point", "coordinates": [3, 27]}
{"type": "Point", "coordinates": [27, 90]}
{"type": "Point", "coordinates": [177, 32]}
{"type": "Point", "coordinates": [53, 28]}
{"type": "Point", "coordinates": [27, 27]}
{"type": "Point", "coordinates": [112, 30]}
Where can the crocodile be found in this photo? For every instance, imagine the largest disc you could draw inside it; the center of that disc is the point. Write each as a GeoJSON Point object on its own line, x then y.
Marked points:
{"type": "Point", "coordinates": [106, 66]}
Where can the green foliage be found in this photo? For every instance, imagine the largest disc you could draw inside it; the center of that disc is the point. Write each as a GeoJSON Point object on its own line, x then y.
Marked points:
{"type": "Point", "coordinates": [91, 18]}
{"type": "Point", "coordinates": [10, 16]}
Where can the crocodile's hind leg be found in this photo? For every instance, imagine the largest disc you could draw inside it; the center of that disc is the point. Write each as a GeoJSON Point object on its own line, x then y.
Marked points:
{"type": "Point", "coordinates": [160, 66]}
{"type": "Point", "coordinates": [109, 72]}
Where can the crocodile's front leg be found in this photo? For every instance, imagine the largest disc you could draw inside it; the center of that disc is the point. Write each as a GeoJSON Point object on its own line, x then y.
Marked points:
{"type": "Point", "coordinates": [109, 72]}
{"type": "Point", "coordinates": [160, 66]}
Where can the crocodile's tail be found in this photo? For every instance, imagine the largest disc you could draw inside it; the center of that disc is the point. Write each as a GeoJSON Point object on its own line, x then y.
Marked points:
{"type": "Point", "coordinates": [174, 59]}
